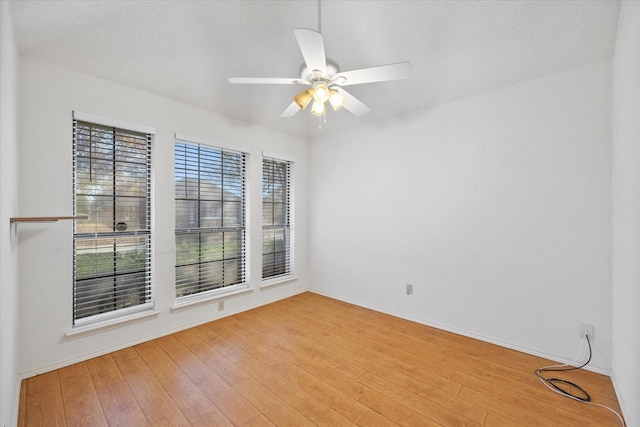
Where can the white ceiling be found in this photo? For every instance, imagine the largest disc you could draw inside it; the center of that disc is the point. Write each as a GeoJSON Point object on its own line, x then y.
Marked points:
{"type": "Point", "coordinates": [186, 50]}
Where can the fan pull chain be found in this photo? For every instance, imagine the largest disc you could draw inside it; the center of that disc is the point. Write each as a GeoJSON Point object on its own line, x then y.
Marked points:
{"type": "Point", "coordinates": [322, 119]}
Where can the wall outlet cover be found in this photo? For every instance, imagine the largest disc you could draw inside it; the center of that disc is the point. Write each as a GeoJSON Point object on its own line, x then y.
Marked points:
{"type": "Point", "coordinates": [586, 329]}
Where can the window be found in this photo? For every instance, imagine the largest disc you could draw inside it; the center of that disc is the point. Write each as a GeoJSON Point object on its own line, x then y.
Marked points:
{"type": "Point", "coordinates": [210, 218]}
{"type": "Point", "coordinates": [276, 218]}
{"type": "Point", "coordinates": [112, 248]}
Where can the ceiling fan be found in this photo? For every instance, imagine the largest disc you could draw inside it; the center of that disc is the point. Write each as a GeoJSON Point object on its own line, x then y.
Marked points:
{"type": "Point", "coordinates": [325, 80]}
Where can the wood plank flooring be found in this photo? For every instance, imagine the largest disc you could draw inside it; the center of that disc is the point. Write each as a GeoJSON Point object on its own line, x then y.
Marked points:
{"type": "Point", "coordinates": [310, 360]}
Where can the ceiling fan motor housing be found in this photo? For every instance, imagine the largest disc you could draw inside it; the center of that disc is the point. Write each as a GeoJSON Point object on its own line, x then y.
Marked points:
{"type": "Point", "coordinates": [315, 75]}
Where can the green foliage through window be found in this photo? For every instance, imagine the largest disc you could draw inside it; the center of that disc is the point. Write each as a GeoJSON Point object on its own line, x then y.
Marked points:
{"type": "Point", "coordinates": [112, 248]}
{"type": "Point", "coordinates": [276, 221]}
{"type": "Point", "coordinates": [210, 218]}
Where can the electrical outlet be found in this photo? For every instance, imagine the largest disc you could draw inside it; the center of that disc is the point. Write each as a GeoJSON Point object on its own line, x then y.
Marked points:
{"type": "Point", "coordinates": [409, 289]}
{"type": "Point", "coordinates": [220, 305]}
{"type": "Point", "coordinates": [586, 329]}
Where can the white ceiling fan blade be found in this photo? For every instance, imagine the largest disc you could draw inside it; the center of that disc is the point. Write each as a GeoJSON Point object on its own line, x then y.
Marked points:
{"type": "Point", "coordinates": [291, 110]}
{"type": "Point", "coordinates": [312, 48]}
{"type": "Point", "coordinates": [268, 80]}
{"type": "Point", "coordinates": [381, 73]}
{"type": "Point", "coordinates": [353, 104]}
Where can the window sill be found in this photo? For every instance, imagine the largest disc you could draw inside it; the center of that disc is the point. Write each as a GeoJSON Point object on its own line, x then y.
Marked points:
{"type": "Point", "coordinates": [203, 299]}
{"type": "Point", "coordinates": [277, 281]}
{"type": "Point", "coordinates": [110, 324]}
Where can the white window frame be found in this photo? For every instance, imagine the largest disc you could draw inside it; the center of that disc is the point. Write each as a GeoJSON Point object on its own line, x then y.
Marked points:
{"type": "Point", "coordinates": [291, 275]}
{"type": "Point", "coordinates": [224, 291]}
{"type": "Point", "coordinates": [147, 308]}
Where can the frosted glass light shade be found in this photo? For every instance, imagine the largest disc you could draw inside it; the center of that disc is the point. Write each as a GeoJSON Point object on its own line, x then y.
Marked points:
{"type": "Point", "coordinates": [318, 108]}
{"type": "Point", "coordinates": [303, 98]}
{"type": "Point", "coordinates": [335, 99]}
{"type": "Point", "coordinates": [321, 92]}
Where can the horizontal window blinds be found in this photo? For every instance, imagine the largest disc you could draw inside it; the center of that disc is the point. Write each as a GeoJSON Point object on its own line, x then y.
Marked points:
{"type": "Point", "coordinates": [210, 218]}
{"type": "Point", "coordinates": [112, 248]}
{"type": "Point", "coordinates": [276, 216]}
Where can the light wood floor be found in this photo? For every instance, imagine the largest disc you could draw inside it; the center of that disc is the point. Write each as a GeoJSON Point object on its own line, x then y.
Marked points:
{"type": "Point", "coordinates": [310, 360]}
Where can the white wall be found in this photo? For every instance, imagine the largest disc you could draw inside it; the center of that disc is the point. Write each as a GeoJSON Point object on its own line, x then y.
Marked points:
{"type": "Point", "coordinates": [496, 208]}
{"type": "Point", "coordinates": [626, 212]}
{"type": "Point", "coordinates": [9, 381]}
{"type": "Point", "coordinates": [48, 95]}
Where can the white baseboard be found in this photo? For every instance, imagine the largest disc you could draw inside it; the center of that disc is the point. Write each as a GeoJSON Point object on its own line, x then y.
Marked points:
{"type": "Point", "coordinates": [460, 332]}
{"type": "Point", "coordinates": [16, 412]}
{"type": "Point", "coordinates": [69, 362]}
{"type": "Point", "coordinates": [619, 395]}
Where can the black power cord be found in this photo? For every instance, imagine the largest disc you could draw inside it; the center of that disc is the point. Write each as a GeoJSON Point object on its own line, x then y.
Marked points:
{"type": "Point", "coordinates": [555, 383]}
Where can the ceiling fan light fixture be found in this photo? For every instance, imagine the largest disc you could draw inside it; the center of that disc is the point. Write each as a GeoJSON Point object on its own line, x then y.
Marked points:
{"type": "Point", "coordinates": [318, 108]}
{"type": "Point", "coordinates": [303, 98]}
{"type": "Point", "coordinates": [335, 99]}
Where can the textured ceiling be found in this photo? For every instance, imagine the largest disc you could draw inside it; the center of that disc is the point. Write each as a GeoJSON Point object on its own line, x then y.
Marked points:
{"type": "Point", "coordinates": [186, 50]}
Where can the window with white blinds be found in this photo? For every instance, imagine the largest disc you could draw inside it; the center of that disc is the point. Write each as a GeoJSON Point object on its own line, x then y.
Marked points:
{"type": "Point", "coordinates": [276, 218]}
{"type": "Point", "coordinates": [112, 248]}
{"type": "Point", "coordinates": [210, 218]}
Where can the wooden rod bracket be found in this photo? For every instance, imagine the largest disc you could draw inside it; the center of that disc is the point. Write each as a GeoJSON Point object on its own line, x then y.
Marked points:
{"type": "Point", "coordinates": [45, 218]}
{"type": "Point", "coordinates": [15, 220]}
